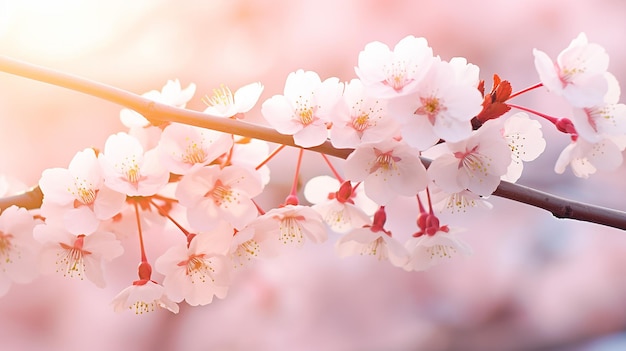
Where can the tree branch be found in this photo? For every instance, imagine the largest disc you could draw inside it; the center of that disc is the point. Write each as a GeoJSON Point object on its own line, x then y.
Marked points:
{"type": "Point", "coordinates": [559, 207]}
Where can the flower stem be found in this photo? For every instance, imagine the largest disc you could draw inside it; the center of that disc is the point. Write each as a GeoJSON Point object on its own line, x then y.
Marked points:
{"type": "Point", "coordinates": [549, 118]}
{"type": "Point", "coordinates": [164, 214]}
{"type": "Point", "coordinates": [292, 199]}
{"type": "Point", "coordinates": [332, 168]}
{"type": "Point", "coordinates": [271, 155]}
{"type": "Point", "coordinates": [538, 85]}
{"type": "Point", "coordinates": [143, 250]}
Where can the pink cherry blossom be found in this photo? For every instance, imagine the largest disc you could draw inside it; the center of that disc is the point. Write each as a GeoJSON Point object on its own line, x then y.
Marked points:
{"type": "Point", "coordinates": [171, 94]}
{"type": "Point", "coordinates": [212, 194]}
{"type": "Point", "coordinates": [143, 296]}
{"type": "Point", "coordinates": [365, 241]}
{"type": "Point", "coordinates": [465, 72]}
{"type": "Point", "coordinates": [18, 249]}
{"type": "Point", "coordinates": [441, 107]}
{"type": "Point", "coordinates": [340, 206]}
{"type": "Point", "coordinates": [184, 148]}
{"type": "Point", "coordinates": [224, 104]}
{"type": "Point", "coordinates": [586, 158]}
{"type": "Point", "coordinates": [475, 164]}
{"type": "Point", "coordinates": [200, 271]}
{"type": "Point", "coordinates": [128, 170]}
{"type": "Point", "coordinates": [525, 140]}
{"type": "Point", "coordinates": [360, 118]}
{"type": "Point", "coordinates": [593, 123]}
{"type": "Point", "coordinates": [76, 256]}
{"type": "Point", "coordinates": [578, 74]}
{"type": "Point", "coordinates": [304, 109]}
{"type": "Point", "coordinates": [249, 153]}
{"type": "Point", "coordinates": [389, 74]}
{"type": "Point", "coordinates": [429, 250]}
{"type": "Point", "coordinates": [387, 169]}
{"type": "Point", "coordinates": [289, 226]}
{"type": "Point", "coordinates": [460, 202]}
{"type": "Point", "coordinates": [244, 247]}
{"type": "Point", "coordinates": [77, 196]}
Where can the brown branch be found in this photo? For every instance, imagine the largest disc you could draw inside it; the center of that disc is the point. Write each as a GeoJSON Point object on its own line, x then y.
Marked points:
{"type": "Point", "coordinates": [559, 207]}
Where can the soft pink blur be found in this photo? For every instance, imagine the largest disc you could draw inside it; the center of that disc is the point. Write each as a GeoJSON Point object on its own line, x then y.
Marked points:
{"type": "Point", "coordinates": [533, 282]}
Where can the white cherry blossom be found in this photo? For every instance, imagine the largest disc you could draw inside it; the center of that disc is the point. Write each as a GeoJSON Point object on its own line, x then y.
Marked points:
{"type": "Point", "coordinates": [184, 148]}
{"type": "Point", "coordinates": [128, 170]}
{"type": "Point", "coordinates": [76, 256]}
{"type": "Point", "coordinates": [76, 197]}
{"type": "Point", "coordinates": [360, 118]}
{"type": "Point", "coordinates": [143, 296]}
{"type": "Point", "coordinates": [171, 94]}
{"type": "Point", "coordinates": [224, 104]}
{"type": "Point", "coordinates": [304, 109]}
{"type": "Point", "coordinates": [389, 74]}
{"type": "Point", "coordinates": [586, 158]}
{"type": "Point", "coordinates": [578, 74]}
{"type": "Point", "coordinates": [246, 246]}
{"type": "Point", "coordinates": [288, 227]}
{"type": "Point", "coordinates": [340, 206]}
{"type": "Point", "coordinates": [387, 169]}
{"type": "Point", "coordinates": [525, 140]}
{"type": "Point", "coordinates": [441, 107]}
{"type": "Point", "coordinates": [213, 193]}
{"type": "Point", "coordinates": [18, 249]}
{"type": "Point", "coordinates": [475, 164]}
{"type": "Point", "coordinates": [593, 123]}
{"type": "Point", "coordinates": [249, 153]}
{"type": "Point", "coordinates": [365, 241]}
{"type": "Point", "coordinates": [428, 250]}
{"type": "Point", "coordinates": [200, 271]}
{"type": "Point", "coordinates": [461, 202]}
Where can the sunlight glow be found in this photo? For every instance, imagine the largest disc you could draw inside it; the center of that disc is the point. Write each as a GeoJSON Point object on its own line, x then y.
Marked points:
{"type": "Point", "coordinates": [65, 28]}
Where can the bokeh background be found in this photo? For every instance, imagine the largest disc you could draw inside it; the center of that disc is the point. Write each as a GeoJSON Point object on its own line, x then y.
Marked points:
{"type": "Point", "coordinates": [534, 282]}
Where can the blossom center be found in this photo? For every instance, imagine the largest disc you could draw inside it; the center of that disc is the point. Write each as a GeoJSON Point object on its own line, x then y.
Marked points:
{"type": "Point", "coordinates": [142, 307]}
{"type": "Point", "coordinates": [385, 161]}
{"type": "Point", "coordinates": [566, 75]}
{"type": "Point", "coordinates": [431, 107]}
{"type": "Point", "coordinates": [397, 75]}
{"type": "Point", "coordinates": [361, 122]}
{"type": "Point", "coordinates": [306, 116]}
{"type": "Point", "coordinates": [376, 249]}
{"type": "Point", "coordinates": [198, 269]}
{"type": "Point", "coordinates": [5, 247]}
{"type": "Point", "coordinates": [441, 251]}
{"type": "Point", "coordinates": [291, 230]}
{"type": "Point", "coordinates": [472, 161]}
{"type": "Point", "coordinates": [86, 195]}
{"type": "Point", "coordinates": [71, 260]}
{"type": "Point", "coordinates": [221, 193]}
{"type": "Point", "coordinates": [221, 97]}
{"type": "Point", "coordinates": [304, 111]}
{"type": "Point", "coordinates": [246, 251]}
{"type": "Point", "coordinates": [194, 154]}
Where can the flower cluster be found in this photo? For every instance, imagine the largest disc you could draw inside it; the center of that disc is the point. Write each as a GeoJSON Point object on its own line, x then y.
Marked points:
{"type": "Point", "coordinates": [420, 129]}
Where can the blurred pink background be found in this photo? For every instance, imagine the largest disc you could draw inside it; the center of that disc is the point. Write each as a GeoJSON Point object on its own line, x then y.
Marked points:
{"type": "Point", "coordinates": [534, 282]}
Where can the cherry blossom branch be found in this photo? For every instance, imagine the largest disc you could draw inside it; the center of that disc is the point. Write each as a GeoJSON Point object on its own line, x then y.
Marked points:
{"type": "Point", "coordinates": [156, 112]}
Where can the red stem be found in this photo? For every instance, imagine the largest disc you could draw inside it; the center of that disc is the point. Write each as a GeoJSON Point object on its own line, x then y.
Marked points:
{"type": "Point", "coordinates": [296, 176]}
{"type": "Point", "coordinates": [164, 214]}
{"type": "Point", "coordinates": [143, 250]}
{"type": "Point", "coordinates": [332, 168]}
{"type": "Point", "coordinates": [271, 155]}
{"type": "Point", "coordinates": [538, 85]}
{"type": "Point", "coordinates": [549, 118]}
